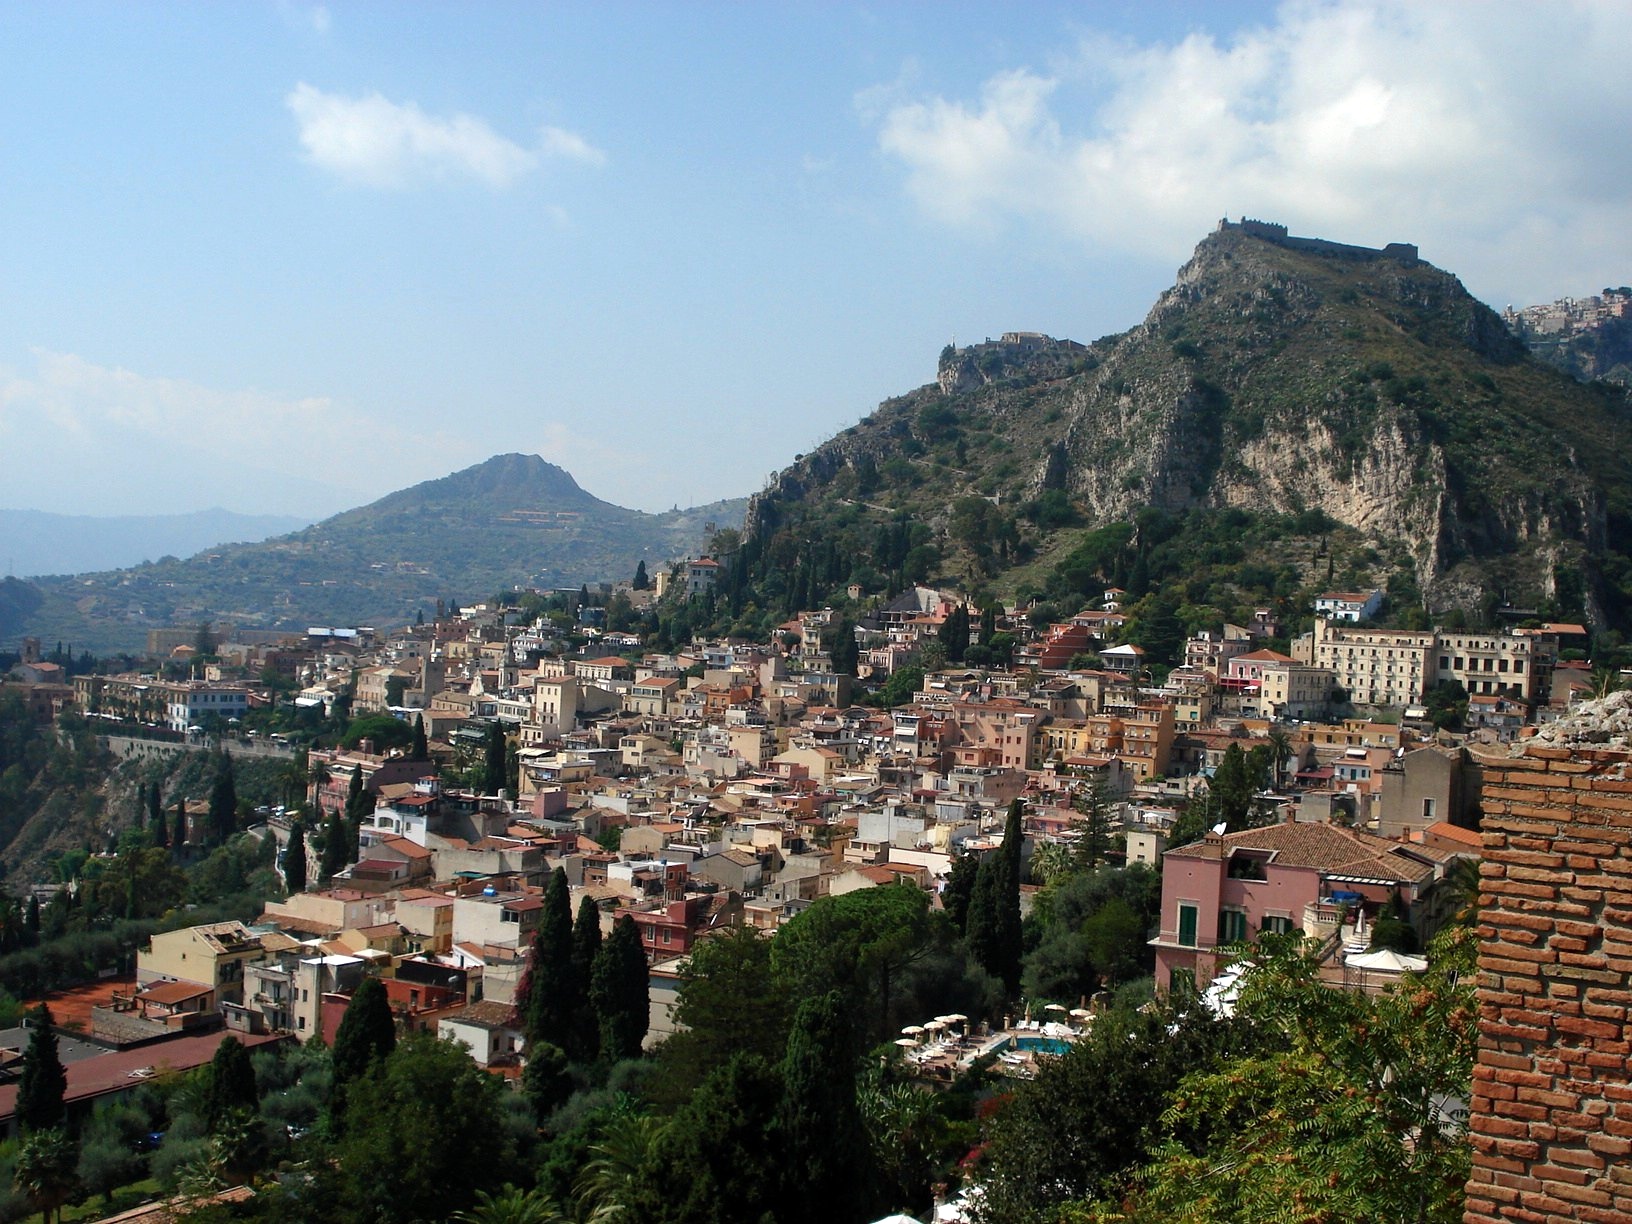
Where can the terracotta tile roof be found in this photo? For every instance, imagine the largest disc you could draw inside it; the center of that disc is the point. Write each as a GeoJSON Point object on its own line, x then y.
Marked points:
{"type": "Point", "coordinates": [1324, 847]}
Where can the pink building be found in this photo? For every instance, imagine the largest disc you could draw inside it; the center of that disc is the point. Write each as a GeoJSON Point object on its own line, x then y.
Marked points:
{"type": "Point", "coordinates": [1228, 889]}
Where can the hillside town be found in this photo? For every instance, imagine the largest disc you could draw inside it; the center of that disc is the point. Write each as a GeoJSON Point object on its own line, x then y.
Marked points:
{"type": "Point", "coordinates": [731, 784]}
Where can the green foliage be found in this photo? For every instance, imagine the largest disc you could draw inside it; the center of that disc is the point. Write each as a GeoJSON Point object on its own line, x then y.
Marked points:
{"type": "Point", "coordinates": [427, 1150]}
{"type": "Point", "coordinates": [858, 944]}
{"type": "Point", "coordinates": [1345, 1105]}
{"type": "Point", "coordinates": [367, 1035]}
{"type": "Point", "coordinates": [43, 1082]}
{"type": "Point", "coordinates": [45, 1169]}
{"type": "Point", "coordinates": [618, 992]}
{"type": "Point", "coordinates": [730, 1003]}
{"type": "Point", "coordinates": [550, 996]}
{"type": "Point", "coordinates": [386, 732]}
{"type": "Point", "coordinates": [719, 1148]}
{"type": "Point", "coordinates": [231, 1082]}
{"type": "Point", "coordinates": [822, 1139]}
{"type": "Point", "coordinates": [294, 858]}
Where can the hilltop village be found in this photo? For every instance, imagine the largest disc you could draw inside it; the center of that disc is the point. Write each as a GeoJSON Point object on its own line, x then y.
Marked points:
{"type": "Point", "coordinates": [733, 783]}
{"type": "Point", "coordinates": [505, 765]}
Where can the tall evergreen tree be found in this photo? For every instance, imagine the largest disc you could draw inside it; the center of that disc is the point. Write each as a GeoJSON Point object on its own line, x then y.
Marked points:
{"type": "Point", "coordinates": [1094, 834]}
{"type": "Point", "coordinates": [294, 858]}
{"type": "Point", "coordinates": [43, 1083]}
{"type": "Point", "coordinates": [367, 1033]}
{"type": "Point", "coordinates": [335, 845]}
{"type": "Point", "coordinates": [232, 1082]}
{"type": "Point", "coordinates": [178, 838]}
{"type": "Point", "coordinates": [549, 993]}
{"type": "Point", "coordinates": [641, 580]}
{"type": "Point", "coordinates": [421, 750]}
{"type": "Point", "coordinates": [618, 990]}
{"type": "Point", "coordinates": [223, 801]}
{"type": "Point", "coordinates": [493, 772]}
{"type": "Point", "coordinates": [586, 946]}
{"type": "Point", "coordinates": [1231, 790]}
{"type": "Point", "coordinates": [158, 826]}
{"type": "Point", "coordinates": [993, 921]}
{"type": "Point", "coordinates": [823, 1141]}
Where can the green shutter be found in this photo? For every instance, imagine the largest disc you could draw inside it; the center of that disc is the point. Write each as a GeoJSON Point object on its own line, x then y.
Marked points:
{"type": "Point", "coordinates": [1187, 925]}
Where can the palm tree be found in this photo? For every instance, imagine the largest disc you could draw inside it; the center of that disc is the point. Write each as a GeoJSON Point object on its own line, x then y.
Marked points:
{"type": "Point", "coordinates": [1280, 744]}
{"type": "Point", "coordinates": [605, 1185]}
{"type": "Point", "coordinates": [513, 1206]}
{"type": "Point", "coordinates": [1605, 680]}
{"type": "Point", "coordinates": [45, 1171]}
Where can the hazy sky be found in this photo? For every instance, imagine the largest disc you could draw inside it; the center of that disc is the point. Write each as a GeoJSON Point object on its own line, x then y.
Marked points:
{"type": "Point", "coordinates": [283, 257]}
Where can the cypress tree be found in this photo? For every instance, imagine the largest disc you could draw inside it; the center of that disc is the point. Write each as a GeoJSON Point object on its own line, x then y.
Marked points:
{"type": "Point", "coordinates": [223, 801]}
{"type": "Point", "coordinates": [294, 858]}
{"type": "Point", "coordinates": [619, 991]}
{"type": "Point", "coordinates": [179, 838]}
{"type": "Point", "coordinates": [43, 1083]}
{"type": "Point", "coordinates": [1011, 941]}
{"type": "Point", "coordinates": [586, 946]}
{"type": "Point", "coordinates": [232, 1082]}
{"type": "Point", "coordinates": [823, 1141]}
{"type": "Point", "coordinates": [493, 767]}
{"type": "Point", "coordinates": [334, 848]}
{"type": "Point", "coordinates": [367, 1032]}
{"type": "Point", "coordinates": [157, 824]}
{"type": "Point", "coordinates": [551, 996]}
{"type": "Point", "coordinates": [422, 749]}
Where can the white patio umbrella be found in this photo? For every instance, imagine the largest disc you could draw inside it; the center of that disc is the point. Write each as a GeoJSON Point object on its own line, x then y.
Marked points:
{"type": "Point", "coordinates": [1054, 1007]}
{"type": "Point", "coordinates": [1386, 960]}
{"type": "Point", "coordinates": [912, 1030]}
{"type": "Point", "coordinates": [906, 1043]}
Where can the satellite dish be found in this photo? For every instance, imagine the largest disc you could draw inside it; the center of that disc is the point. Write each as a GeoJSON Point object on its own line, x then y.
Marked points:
{"type": "Point", "coordinates": [1219, 828]}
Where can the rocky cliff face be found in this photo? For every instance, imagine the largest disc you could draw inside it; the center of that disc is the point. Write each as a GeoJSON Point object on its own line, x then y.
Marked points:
{"type": "Point", "coordinates": [1279, 376]}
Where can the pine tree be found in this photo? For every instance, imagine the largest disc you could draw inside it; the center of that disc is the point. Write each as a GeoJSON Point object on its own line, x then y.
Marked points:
{"type": "Point", "coordinates": [586, 946]}
{"type": "Point", "coordinates": [1094, 836]}
{"type": "Point", "coordinates": [43, 1083]}
{"type": "Point", "coordinates": [294, 858]}
{"type": "Point", "coordinates": [619, 992]}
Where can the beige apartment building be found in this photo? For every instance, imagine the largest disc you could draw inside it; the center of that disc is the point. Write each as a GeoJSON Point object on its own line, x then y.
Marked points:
{"type": "Point", "coordinates": [1397, 667]}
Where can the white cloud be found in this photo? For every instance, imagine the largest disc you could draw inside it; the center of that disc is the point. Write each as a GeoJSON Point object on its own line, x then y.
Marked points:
{"type": "Point", "coordinates": [168, 443]}
{"type": "Point", "coordinates": [558, 142]}
{"type": "Point", "coordinates": [1491, 135]}
{"type": "Point", "coordinates": [375, 142]}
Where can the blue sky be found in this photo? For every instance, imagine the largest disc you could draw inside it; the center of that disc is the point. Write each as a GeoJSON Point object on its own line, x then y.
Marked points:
{"type": "Point", "coordinates": [285, 258]}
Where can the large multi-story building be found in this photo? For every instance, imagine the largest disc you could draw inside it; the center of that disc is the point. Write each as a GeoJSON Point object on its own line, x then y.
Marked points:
{"type": "Point", "coordinates": [1396, 667]}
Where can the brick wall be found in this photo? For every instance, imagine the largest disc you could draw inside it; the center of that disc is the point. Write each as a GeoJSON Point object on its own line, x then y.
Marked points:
{"type": "Point", "coordinates": [1551, 1113]}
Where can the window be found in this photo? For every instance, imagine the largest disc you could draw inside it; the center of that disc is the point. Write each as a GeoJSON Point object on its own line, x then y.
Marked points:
{"type": "Point", "coordinates": [1518, 667]}
{"type": "Point", "coordinates": [1187, 925]}
{"type": "Point", "coordinates": [1232, 926]}
{"type": "Point", "coordinates": [1428, 811]}
{"type": "Point", "coordinates": [1276, 924]}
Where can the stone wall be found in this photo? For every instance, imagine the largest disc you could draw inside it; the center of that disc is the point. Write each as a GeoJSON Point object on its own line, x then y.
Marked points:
{"type": "Point", "coordinates": [1551, 1112]}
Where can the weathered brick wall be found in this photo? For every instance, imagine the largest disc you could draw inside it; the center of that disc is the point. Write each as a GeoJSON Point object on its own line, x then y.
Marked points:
{"type": "Point", "coordinates": [1552, 1107]}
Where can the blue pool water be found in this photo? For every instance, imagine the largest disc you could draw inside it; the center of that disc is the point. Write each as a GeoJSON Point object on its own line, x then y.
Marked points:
{"type": "Point", "coordinates": [1042, 1045]}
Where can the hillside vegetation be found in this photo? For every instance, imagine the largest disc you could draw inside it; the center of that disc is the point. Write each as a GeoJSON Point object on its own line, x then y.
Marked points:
{"type": "Point", "coordinates": [1290, 415]}
{"type": "Point", "coordinates": [513, 520]}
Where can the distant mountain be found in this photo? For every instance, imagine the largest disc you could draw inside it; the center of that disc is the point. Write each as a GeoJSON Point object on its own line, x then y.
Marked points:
{"type": "Point", "coordinates": [35, 542]}
{"type": "Point", "coordinates": [514, 520]}
{"type": "Point", "coordinates": [1291, 414]}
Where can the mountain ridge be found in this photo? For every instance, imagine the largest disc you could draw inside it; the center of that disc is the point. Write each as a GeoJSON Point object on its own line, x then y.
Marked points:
{"type": "Point", "coordinates": [1276, 376]}
{"type": "Point", "coordinates": [511, 520]}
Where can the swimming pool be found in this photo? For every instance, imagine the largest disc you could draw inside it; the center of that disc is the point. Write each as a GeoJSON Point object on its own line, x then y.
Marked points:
{"type": "Point", "coordinates": [1040, 1045]}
